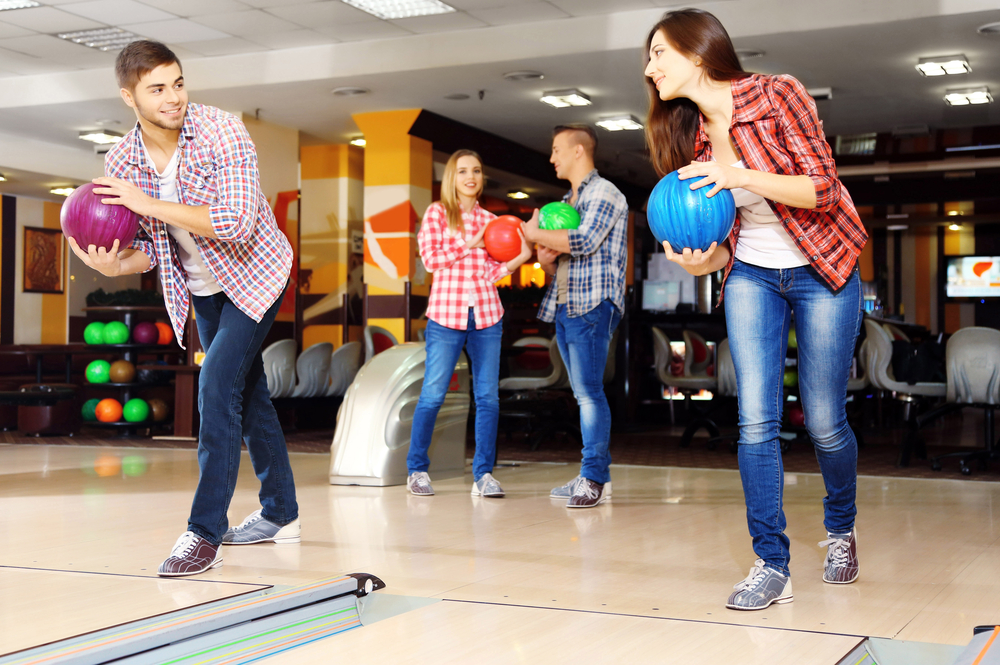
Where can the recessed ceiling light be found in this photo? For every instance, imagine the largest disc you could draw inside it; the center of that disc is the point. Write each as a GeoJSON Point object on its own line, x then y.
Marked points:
{"type": "Point", "coordinates": [989, 30]}
{"type": "Point", "coordinates": [62, 191]}
{"type": "Point", "coordinates": [457, 96]}
{"type": "Point", "coordinates": [563, 98]}
{"type": "Point", "coordinates": [944, 64]}
{"type": "Point", "coordinates": [517, 195]}
{"type": "Point", "coordinates": [360, 142]}
{"type": "Point", "coordinates": [619, 123]}
{"type": "Point", "coordinates": [954, 227]}
{"type": "Point", "coordinates": [966, 96]}
{"type": "Point", "coordinates": [101, 136]}
{"type": "Point", "coordinates": [819, 94]}
{"type": "Point", "coordinates": [2, 178]}
{"type": "Point", "coordinates": [103, 39]}
{"type": "Point", "coordinates": [17, 4]}
{"type": "Point", "coordinates": [897, 227]}
{"type": "Point", "coordinates": [526, 75]}
{"type": "Point", "coordinates": [749, 53]}
{"type": "Point", "coordinates": [392, 9]}
{"type": "Point", "coordinates": [350, 91]}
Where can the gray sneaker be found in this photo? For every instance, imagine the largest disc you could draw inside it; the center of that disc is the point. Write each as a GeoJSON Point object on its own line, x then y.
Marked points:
{"type": "Point", "coordinates": [841, 566]}
{"type": "Point", "coordinates": [487, 486]}
{"type": "Point", "coordinates": [566, 491]}
{"type": "Point", "coordinates": [419, 483]}
{"type": "Point", "coordinates": [762, 587]}
{"type": "Point", "coordinates": [255, 529]}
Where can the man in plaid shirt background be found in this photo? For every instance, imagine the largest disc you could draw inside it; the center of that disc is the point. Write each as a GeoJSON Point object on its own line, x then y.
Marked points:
{"type": "Point", "coordinates": [586, 300]}
{"type": "Point", "coordinates": [190, 172]}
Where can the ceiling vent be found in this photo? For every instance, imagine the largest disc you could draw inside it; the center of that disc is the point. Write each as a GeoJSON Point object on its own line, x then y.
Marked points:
{"type": "Point", "coordinates": [749, 53]}
{"type": "Point", "coordinates": [991, 30]}
{"type": "Point", "coordinates": [350, 91]}
{"type": "Point", "coordinates": [526, 75]}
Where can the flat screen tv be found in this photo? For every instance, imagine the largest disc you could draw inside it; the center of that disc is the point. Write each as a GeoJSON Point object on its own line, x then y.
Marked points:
{"type": "Point", "coordinates": [972, 276]}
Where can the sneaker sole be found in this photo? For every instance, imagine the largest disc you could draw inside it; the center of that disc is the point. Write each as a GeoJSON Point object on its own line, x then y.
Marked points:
{"type": "Point", "coordinates": [289, 540]}
{"type": "Point", "coordinates": [215, 564]}
{"type": "Point", "coordinates": [850, 581]}
{"type": "Point", "coordinates": [593, 505]}
{"type": "Point", "coordinates": [420, 493]}
{"type": "Point", "coordinates": [489, 496]}
{"type": "Point", "coordinates": [776, 601]}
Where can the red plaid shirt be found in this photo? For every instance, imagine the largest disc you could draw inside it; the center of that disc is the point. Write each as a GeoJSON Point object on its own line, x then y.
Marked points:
{"type": "Point", "coordinates": [251, 258]}
{"type": "Point", "coordinates": [459, 271]}
{"type": "Point", "coordinates": [776, 129]}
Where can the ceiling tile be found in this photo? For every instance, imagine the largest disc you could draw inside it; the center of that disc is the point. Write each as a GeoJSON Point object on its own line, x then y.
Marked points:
{"type": "Point", "coordinates": [176, 31]}
{"type": "Point", "coordinates": [8, 30]}
{"type": "Point", "coordinates": [246, 24]}
{"type": "Point", "coordinates": [317, 15]}
{"type": "Point", "coordinates": [189, 8]}
{"type": "Point", "coordinates": [57, 50]}
{"type": "Point", "coordinates": [469, 5]}
{"type": "Point", "coordinates": [117, 12]}
{"type": "Point", "coordinates": [21, 64]}
{"type": "Point", "coordinates": [359, 32]}
{"type": "Point", "coordinates": [439, 22]}
{"type": "Point", "coordinates": [49, 19]}
{"type": "Point", "coordinates": [228, 46]}
{"type": "Point", "coordinates": [264, 4]}
{"type": "Point", "coordinates": [292, 39]}
{"type": "Point", "coordinates": [536, 11]}
{"type": "Point", "coordinates": [588, 7]}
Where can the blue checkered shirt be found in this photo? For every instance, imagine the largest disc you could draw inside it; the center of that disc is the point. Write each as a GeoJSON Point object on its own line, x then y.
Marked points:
{"type": "Point", "coordinates": [598, 251]}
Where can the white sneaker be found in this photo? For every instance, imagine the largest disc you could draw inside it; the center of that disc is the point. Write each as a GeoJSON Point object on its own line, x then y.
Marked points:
{"type": "Point", "coordinates": [566, 491]}
{"type": "Point", "coordinates": [487, 486]}
{"type": "Point", "coordinates": [255, 529]}
{"type": "Point", "coordinates": [419, 483]}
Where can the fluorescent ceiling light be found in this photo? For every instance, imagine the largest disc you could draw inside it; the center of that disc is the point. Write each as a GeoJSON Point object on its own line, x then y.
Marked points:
{"type": "Point", "coordinates": [563, 98]}
{"type": "Point", "coordinates": [819, 94]}
{"type": "Point", "coordinates": [103, 39]}
{"type": "Point", "coordinates": [101, 136]}
{"type": "Point", "coordinates": [897, 227]}
{"type": "Point", "coordinates": [619, 123]}
{"type": "Point", "coordinates": [966, 96]}
{"type": "Point", "coordinates": [17, 4]}
{"type": "Point", "coordinates": [391, 9]}
{"type": "Point", "coordinates": [62, 191]}
{"type": "Point", "coordinates": [360, 142]}
{"type": "Point", "coordinates": [945, 64]}
{"type": "Point", "coordinates": [517, 195]}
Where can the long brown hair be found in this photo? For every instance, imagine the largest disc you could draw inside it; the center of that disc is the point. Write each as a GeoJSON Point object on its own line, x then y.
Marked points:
{"type": "Point", "coordinates": [449, 192]}
{"type": "Point", "coordinates": [671, 126]}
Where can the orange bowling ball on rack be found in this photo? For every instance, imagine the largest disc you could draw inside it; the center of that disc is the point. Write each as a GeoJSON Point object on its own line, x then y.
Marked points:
{"type": "Point", "coordinates": [166, 333]}
{"type": "Point", "coordinates": [108, 410]}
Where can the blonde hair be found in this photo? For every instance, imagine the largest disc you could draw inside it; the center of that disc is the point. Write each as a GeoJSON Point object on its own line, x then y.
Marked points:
{"type": "Point", "coordinates": [449, 192]}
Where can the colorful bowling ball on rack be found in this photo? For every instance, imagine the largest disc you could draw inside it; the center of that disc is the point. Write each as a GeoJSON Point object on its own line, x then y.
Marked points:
{"type": "Point", "coordinates": [87, 411]}
{"type": "Point", "coordinates": [153, 375]}
{"type": "Point", "coordinates": [145, 333]}
{"type": "Point", "coordinates": [796, 417]}
{"type": "Point", "coordinates": [558, 215]}
{"type": "Point", "coordinates": [502, 238]}
{"type": "Point", "coordinates": [121, 371]}
{"type": "Point", "coordinates": [108, 410]}
{"type": "Point", "coordinates": [115, 332]}
{"type": "Point", "coordinates": [166, 333]}
{"type": "Point", "coordinates": [99, 371]}
{"type": "Point", "coordinates": [136, 410]}
{"type": "Point", "coordinates": [94, 333]}
{"type": "Point", "coordinates": [160, 409]}
{"type": "Point", "coordinates": [792, 340]}
{"type": "Point", "coordinates": [791, 379]}
{"type": "Point", "coordinates": [689, 218]}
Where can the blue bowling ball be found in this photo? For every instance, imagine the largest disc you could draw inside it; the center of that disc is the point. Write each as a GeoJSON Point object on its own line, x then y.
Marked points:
{"type": "Point", "coordinates": [686, 217]}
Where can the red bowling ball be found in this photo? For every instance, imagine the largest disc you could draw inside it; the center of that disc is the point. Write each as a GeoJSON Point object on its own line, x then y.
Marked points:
{"type": "Point", "coordinates": [146, 333]}
{"type": "Point", "coordinates": [502, 238]}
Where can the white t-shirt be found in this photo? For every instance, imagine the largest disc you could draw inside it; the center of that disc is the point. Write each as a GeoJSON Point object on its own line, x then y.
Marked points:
{"type": "Point", "coordinates": [763, 240]}
{"type": "Point", "coordinates": [200, 280]}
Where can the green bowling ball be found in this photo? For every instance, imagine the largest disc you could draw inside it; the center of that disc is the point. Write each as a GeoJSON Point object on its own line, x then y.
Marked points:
{"type": "Point", "coordinates": [135, 410]}
{"type": "Point", "coordinates": [791, 378]}
{"type": "Point", "coordinates": [94, 333]}
{"type": "Point", "coordinates": [88, 410]}
{"type": "Point", "coordinates": [558, 215]}
{"type": "Point", "coordinates": [115, 332]}
{"type": "Point", "coordinates": [792, 342]}
{"type": "Point", "coordinates": [99, 371]}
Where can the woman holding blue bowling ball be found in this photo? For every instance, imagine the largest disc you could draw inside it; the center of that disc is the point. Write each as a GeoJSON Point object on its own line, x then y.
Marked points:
{"type": "Point", "coordinates": [793, 248]}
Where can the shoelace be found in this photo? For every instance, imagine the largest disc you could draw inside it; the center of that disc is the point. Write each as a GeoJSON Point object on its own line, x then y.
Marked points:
{"type": "Point", "coordinates": [421, 479]}
{"type": "Point", "coordinates": [755, 577]}
{"type": "Point", "coordinates": [251, 520]}
{"type": "Point", "coordinates": [840, 552]}
{"type": "Point", "coordinates": [184, 545]}
{"type": "Point", "coordinates": [585, 489]}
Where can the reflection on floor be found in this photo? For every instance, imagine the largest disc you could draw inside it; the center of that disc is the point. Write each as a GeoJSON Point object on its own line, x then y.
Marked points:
{"type": "Point", "coordinates": [643, 578]}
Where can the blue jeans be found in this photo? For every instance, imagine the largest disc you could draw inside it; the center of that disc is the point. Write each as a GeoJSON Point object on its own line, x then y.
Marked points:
{"type": "Point", "coordinates": [443, 348]}
{"type": "Point", "coordinates": [583, 344]}
{"type": "Point", "coordinates": [759, 302]}
{"type": "Point", "coordinates": [235, 406]}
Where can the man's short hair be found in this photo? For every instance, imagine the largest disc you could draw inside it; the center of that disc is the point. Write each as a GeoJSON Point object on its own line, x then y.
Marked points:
{"type": "Point", "coordinates": [580, 134]}
{"type": "Point", "coordinates": [138, 59]}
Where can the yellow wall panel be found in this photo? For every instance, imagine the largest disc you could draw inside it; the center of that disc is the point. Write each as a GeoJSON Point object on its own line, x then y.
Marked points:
{"type": "Point", "coordinates": [320, 161]}
{"type": "Point", "coordinates": [317, 334]}
{"type": "Point", "coordinates": [395, 326]}
{"type": "Point", "coordinates": [55, 322]}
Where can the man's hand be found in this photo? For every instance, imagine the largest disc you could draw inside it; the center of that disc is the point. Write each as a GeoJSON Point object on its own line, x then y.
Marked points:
{"type": "Point", "coordinates": [104, 261]}
{"type": "Point", "coordinates": [122, 193]}
{"type": "Point", "coordinates": [530, 227]}
{"type": "Point", "coordinates": [547, 258]}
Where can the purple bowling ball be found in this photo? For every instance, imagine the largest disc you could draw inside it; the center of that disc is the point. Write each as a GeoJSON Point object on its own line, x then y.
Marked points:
{"type": "Point", "coordinates": [146, 333]}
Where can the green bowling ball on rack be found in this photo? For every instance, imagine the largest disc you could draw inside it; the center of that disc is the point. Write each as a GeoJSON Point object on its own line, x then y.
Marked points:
{"type": "Point", "coordinates": [558, 215]}
{"type": "Point", "coordinates": [94, 333]}
{"type": "Point", "coordinates": [135, 410]}
{"type": "Point", "coordinates": [99, 371]}
{"type": "Point", "coordinates": [87, 411]}
{"type": "Point", "coordinates": [115, 332]}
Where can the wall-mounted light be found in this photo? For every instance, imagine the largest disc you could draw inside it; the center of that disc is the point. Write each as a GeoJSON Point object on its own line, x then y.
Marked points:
{"type": "Point", "coordinates": [359, 141]}
{"type": "Point", "coordinates": [62, 191]}
{"type": "Point", "coordinates": [563, 98]}
{"type": "Point", "coordinates": [100, 136]}
{"type": "Point", "coordinates": [619, 123]}
{"type": "Point", "coordinates": [517, 195]}
{"type": "Point", "coordinates": [966, 96]}
{"type": "Point", "coordinates": [944, 65]}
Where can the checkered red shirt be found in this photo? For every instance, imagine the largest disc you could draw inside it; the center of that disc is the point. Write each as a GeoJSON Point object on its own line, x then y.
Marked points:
{"type": "Point", "coordinates": [251, 258]}
{"type": "Point", "coordinates": [459, 271]}
{"type": "Point", "coordinates": [776, 129]}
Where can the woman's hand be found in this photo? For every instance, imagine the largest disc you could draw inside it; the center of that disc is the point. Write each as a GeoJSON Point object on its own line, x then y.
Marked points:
{"type": "Point", "coordinates": [522, 256]}
{"type": "Point", "coordinates": [476, 241]}
{"type": "Point", "coordinates": [697, 262]}
{"type": "Point", "coordinates": [104, 261]}
{"type": "Point", "coordinates": [713, 173]}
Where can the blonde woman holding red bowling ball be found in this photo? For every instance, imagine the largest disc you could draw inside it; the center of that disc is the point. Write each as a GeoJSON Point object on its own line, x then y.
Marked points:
{"type": "Point", "coordinates": [464, 310]}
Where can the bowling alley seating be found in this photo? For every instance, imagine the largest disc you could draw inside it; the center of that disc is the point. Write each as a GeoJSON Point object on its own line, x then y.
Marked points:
{"type": "Point", "coordinates": [694, 379]}
{"type": "Point", "coordinates": [972, 367]}
{"type": "Point", "coordinates": [543, 400]}
{"type": "Point", "coordinates": [279, 367]}
{"type": "Point", "coordinates": [344, 365]}
{"type": "Point", "coordinates": [895, 333]}
{"type": "Point", "coordinates": [377, 340]}
{"type": "Point", "coordinates": [912, 396]}
{"type": "Point", "coordinates": [312, 369]}
{"type": "Point", "coordinates": [533, 362]}
{"type": "Point", "coordinates": [52, 408]}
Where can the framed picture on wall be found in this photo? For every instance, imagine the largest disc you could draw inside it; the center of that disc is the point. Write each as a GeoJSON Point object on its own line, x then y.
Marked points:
{"type": "Point", "coordinates": [43, 260]}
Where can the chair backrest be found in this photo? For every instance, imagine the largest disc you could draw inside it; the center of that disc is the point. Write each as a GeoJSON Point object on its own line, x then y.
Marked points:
{"type": "Point", "coordinates": [557, 378]}
{"type": "Point", "coordinates": [536, 362]}
{"type": "Point", "coordinates": [972, 360]}
{"type": "Point", "coordinates": [313, 370]}
{"type": "Point", "coordinates": [879, 359]}
{"type": "Point", "coordinates": [697, 355]}
{"type": "Point", "coordinates": [895, 333]}
{"type": "Point", "coordinates": [345, 361]}
{"type": "Point", "coordinates": [279, 367]}
{"type": "Point", "coordinates": [377, 340]}
{"type": "Point", "coordinates": [725, 371]}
